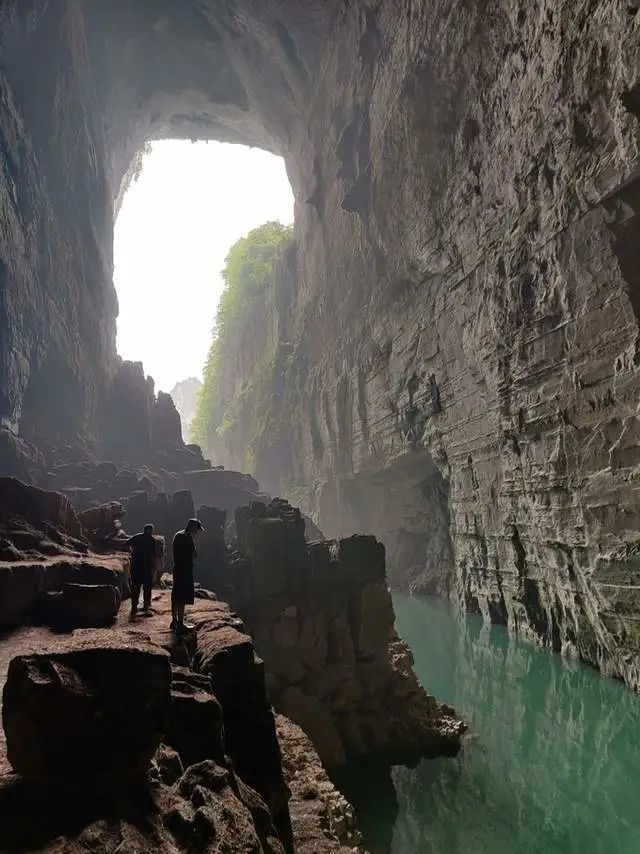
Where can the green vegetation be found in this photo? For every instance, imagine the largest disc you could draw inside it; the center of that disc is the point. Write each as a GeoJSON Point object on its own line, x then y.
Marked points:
{"type": "Point", "coordinates": [249, 269]}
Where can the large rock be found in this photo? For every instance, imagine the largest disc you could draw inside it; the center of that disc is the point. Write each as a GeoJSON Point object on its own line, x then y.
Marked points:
{"type": "Point", "coordinates": [167, 512]}
{"type": "Point", "coordinates": [102, 522]}
{"type": "Point", "coordinates": [322, 618]}
{"type": "Point", "coordinates": [227, 656]}
{"type": "Point", "coordinates": [89, 605]}
{"type": "Point", "coordinates": [23, 583]}
{"type": "Point", "coordinates": [213, 558]}
{"type": "Point", "coordinates": [196, 731]}
{"type": "Point", "coordinates": [39, 509]}
{"type": "Point", "coordinates": [92, 713]}
{"type": "Point", "coordinates": [166, 429]}
{"type": "Point", "coordinates": [20, 584]}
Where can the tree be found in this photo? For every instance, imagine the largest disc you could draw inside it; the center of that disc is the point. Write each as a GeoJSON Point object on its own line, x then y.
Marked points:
{"type": "Point", "coordinates": [249, 268]}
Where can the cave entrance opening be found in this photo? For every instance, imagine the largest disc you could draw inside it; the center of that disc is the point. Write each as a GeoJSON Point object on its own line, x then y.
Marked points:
{"type": "Point", "coordinates": [185, 205]}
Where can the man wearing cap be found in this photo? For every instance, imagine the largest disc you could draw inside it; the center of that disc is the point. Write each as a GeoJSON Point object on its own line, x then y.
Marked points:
{"type": "Point", "coordinates": [143, 552]}
{"type": "Point", "coordinates": [184, 555]}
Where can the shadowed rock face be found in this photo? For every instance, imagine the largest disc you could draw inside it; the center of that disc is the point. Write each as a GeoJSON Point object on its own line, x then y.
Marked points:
{"type": "Point", "coordinates": [463, 294]}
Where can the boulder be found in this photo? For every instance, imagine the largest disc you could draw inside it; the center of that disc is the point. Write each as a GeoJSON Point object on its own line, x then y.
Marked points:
{"type": "Point", "coordinates": [38, 507]}
{"type": "Point", "coordinates": [107, 570]}
{"type": "Point", "coordinates": [227, 656]}
{"type": "Point", "coordinates": [196, 730]}
{"type": "Point", "coordinates": [101, 520]}
{"type": "Point", "coordinates": [91, 713]}
{"type": "Point", "coordinates": [19, 586]}
{"type": "Point", "coordinates": [90, 604]}
{"type": "Point", "coordinates": [225, 490]}
{"type": "Point", "coordinates": [213, 558]}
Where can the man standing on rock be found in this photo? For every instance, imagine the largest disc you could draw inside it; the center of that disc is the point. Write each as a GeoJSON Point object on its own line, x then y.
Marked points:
{"type": "Point", "coordinates": [184, 556]}
{"type": "Point", "coordinates": [143, 552]}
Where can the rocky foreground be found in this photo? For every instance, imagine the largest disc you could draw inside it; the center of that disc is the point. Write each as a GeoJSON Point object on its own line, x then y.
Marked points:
{"type": "Point", "coordinates": [119, 736]}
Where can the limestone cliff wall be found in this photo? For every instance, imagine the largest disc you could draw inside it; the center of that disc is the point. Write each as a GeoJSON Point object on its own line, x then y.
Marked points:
{"type": "Point", "coordinates": [465, 321]}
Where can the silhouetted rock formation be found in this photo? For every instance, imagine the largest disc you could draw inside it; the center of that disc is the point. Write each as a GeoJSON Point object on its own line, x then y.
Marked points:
{"type": "Point", "coordinates": [39, 511]}
{"type": "Point", "coordinates": [214, 571]}
{"type": "Point", "coordinates": [224, 489]}
{"type": "Point", "coordinates": [185, 397]}
{"type": "Point", "coordinates": [168, 513]}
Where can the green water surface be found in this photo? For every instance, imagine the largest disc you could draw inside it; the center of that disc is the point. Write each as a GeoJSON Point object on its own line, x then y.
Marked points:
{"type": "Point", "coordinates": [552, 763]}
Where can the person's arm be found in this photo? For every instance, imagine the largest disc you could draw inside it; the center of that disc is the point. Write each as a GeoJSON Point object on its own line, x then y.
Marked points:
{"type": "Point", "coordinates": [176, 550]}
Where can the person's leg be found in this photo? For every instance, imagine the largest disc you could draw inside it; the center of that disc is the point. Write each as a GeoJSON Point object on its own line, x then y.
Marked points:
{"type": "Point", "coordinates": [147, 596]}
{"type": "Point", "coordinates": [181, 625]}
{"type": "Point", "coordinates": [135, 596]}
{"type": "Point", "coordinates": [174, 612]}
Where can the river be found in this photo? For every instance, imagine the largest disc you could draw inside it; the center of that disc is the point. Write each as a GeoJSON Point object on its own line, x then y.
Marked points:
{"type": "Point", "coordinates": [552, 760]}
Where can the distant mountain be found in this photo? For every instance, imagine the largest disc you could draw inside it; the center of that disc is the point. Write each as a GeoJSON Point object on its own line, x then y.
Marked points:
{"type": "Point", "coordinates": [185, 396]}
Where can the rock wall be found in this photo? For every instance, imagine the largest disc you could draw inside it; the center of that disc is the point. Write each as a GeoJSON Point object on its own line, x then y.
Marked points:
{"type": "Point", "coordinates": [464, 328]}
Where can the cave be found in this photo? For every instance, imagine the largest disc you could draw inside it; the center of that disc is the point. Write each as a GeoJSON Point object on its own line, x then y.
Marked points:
{"type": "Point", "coordinates": [460, 292]}
{"type": "Point", "coordinates": [446, 354]}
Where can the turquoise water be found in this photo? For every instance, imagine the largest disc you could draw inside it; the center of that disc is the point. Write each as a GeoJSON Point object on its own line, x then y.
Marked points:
{"type": "Point", "coordinates": [552, 763]}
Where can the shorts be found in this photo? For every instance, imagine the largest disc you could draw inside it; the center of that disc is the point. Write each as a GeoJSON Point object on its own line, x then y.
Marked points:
{"type": "Point", "coordinates": [183, 590]}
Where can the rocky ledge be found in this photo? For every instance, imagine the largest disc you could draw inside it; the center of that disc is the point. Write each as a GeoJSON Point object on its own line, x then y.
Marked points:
{"type": "Point", "coordinates": [128, 739]}
{"type": "Point", "coordinates": [322, 619]}
{"type": "Point", "coordinates": [129, 735]}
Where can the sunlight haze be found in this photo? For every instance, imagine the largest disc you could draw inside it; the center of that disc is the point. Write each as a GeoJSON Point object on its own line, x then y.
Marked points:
{"type": "Point", "coordinates": [191, 202]}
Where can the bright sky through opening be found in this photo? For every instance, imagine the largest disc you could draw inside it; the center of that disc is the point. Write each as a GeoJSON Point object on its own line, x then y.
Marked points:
{"type": "Point", "coordinates": [177, 222]}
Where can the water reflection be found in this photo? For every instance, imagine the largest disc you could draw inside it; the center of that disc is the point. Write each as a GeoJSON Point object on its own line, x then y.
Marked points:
{"type": "Point", "coordinates": [552, 761]}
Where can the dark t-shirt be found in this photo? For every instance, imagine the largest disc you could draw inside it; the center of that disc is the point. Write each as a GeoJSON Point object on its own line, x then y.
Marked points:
{"type": "Point", "coordinates": [143, 549]}
{"type": "Point", "coordinates": [184, 550]}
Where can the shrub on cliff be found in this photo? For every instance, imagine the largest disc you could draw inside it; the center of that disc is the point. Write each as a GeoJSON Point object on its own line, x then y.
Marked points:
{"type": "Point", "coordinates": [248, 270]}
